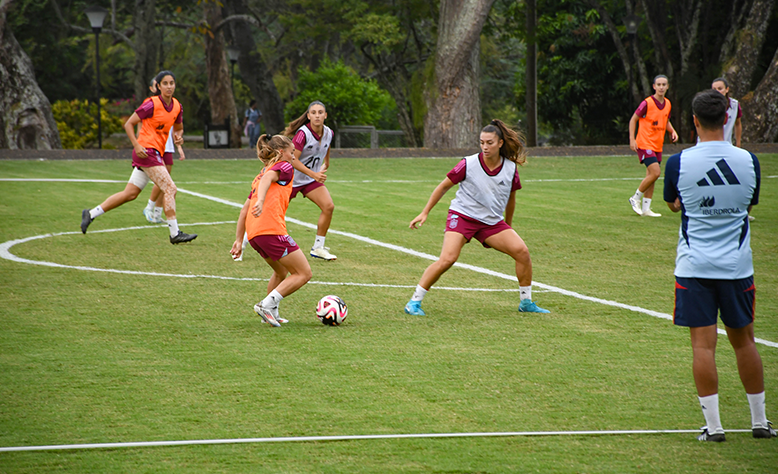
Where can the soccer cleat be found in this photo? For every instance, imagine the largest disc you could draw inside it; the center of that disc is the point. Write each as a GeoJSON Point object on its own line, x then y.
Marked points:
{"type": "Point", "coordinates": [86, 219]}
{"type": "Point", "coordinates": [266, 315]}
{"type": "Point", "coordinates": [751, 218]}
{"type": "Point", "coordinates": [274, 312]}
{"type": "Point", "coordinates": [529, 306]}
{"type": "Point", "coordinates": [323, 252]}
{"type": "Point", "coordinates": [650, 213]}
{"type": "Point", "coordinates": [414, 308]}
{"type": "Point", "coordinates": [715, 437]}
{"type": "Point", "coordinates": [156, 217]}
{"type": "Point", "coordinates": [182, 237]}
{"type": "Point", "coordinates": [635, 205]}
{"type": "Point", "coordinates": [768, 432]}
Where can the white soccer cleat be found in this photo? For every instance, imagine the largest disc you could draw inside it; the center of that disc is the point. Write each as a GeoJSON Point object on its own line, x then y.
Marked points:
{"type": "Point", "coordinates": [635, 206]}
{"type": "Point", "coordinates": [266, 315]}
{"type": "Point", "coordinates": [156, 217]}
{"type": "Point", "coordinates": [650, 213]}
{"type": "Point", "coordinates": [323, 253]}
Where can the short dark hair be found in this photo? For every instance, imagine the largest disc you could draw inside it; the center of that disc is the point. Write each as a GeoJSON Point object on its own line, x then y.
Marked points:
{"type": "Point", "coordinates": [710, 108]}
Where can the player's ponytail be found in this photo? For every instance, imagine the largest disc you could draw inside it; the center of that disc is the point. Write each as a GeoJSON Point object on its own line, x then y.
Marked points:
{"type": "Point", "coordinates": [512, 148]}
{"type": "Point", "coordinates": [269, 148]}
{"type": "Point", "coordinates": [295, 124]}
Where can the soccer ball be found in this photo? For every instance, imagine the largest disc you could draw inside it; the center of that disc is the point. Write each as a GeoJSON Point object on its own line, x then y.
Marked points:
{"type": "Point", "coordinates": [331, 310]}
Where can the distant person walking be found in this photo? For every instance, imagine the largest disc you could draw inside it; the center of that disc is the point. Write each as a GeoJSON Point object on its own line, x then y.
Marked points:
{"type": "Point", "coordinates": [251, 126]}
{"type": "Point", "coordinates": [733, 127]}
{"type": "Point", "coordinates": [653, 116]}
{"type": "Point", "coordinates": [714, 184]}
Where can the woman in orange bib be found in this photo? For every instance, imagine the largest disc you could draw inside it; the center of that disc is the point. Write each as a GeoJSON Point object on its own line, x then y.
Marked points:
{"type": "Point", "coordinates": [156, 116]}
{"type": "Point", "coordinates": [262, 219]}
{"type": "Point", "coordinates": [653, 115]}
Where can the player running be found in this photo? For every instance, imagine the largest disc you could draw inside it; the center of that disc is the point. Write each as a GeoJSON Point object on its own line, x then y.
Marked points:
{"type": "Point", "coordinates": [262, 219]}
{"type": "Point", "coordinates": [156, 117]}
{"type": "Point", "coordinates": [312, 140]}
{"type": "Point", "coordinates": [653, 114]}
{"type": "Point", "coordinates": [488, 182]}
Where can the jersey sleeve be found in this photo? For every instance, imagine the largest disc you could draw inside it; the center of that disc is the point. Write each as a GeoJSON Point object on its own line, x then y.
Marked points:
{"type": "Point", "coordinates": [758, 171]}
{"type": "Point", "coordinates": [285, 172]}
{"type": "Point", "coordinates": [642, 109]}
{"type": "Point", "coordinates": [457, 175]}
{"type": "Point", "coordinates": [739, 111]}
{"type": "Point", "coordinates": [146, 110]}
{"type": "Point", "coordinates": [516, 185]}
{"type": "Point", "coordinates": [672, 171]}
{"type": "Point", "coordinates": [299, 140]}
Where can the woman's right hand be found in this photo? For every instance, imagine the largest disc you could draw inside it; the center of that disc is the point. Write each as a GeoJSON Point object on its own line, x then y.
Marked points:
{"type": "Point", "coordinates": [418, 221]}
{"type": "Point", "coordinates": [237, 249]}
{"type": "Point", "coordinates": [321, 176]}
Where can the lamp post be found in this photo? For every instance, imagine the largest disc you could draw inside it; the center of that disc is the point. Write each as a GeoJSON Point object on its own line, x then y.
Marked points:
{"type": "Point", "coordinates": [96, 17]}
{"type": "Point", "coordinates": [234, 54]}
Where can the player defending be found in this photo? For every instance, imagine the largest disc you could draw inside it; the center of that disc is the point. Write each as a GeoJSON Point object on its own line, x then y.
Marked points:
{"type": "Point", "coordinates": [714, 184]}
{"type": "Point", "coordinates": [488, 182]}
{"type": "Point", "coordinates": [653, 114]}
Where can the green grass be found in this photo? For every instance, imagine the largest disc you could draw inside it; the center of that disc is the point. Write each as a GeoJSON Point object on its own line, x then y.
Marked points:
{"type": "Point", "coordinates": [93, 357]}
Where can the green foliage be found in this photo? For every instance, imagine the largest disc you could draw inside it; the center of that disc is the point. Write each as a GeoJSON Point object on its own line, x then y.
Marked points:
{"type": "Point", "coordinates": [350, 99]}
{"type": "Point", "coordinates": [77, 124]}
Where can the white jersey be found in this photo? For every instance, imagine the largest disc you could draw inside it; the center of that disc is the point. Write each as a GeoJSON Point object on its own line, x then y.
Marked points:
{"type": "Point", "coordinates": [729, 127]}
{"type": "Point", "coordinates": [169, 147]}
{"type": "Point", "coordinates": [313, 153]}
{"type": "Point", "coordinates": [481, 196]}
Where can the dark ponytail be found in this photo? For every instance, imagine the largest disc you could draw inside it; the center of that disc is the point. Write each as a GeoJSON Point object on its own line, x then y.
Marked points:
{"type": "Point", "coordinates": [512, 148]}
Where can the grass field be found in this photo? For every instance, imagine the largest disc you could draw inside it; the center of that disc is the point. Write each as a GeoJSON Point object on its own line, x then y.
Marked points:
{"type": "Point", "coordinates": [174, 351]}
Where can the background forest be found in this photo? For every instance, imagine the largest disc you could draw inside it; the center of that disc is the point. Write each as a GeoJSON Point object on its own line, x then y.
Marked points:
{"type": "Point", "coordinates": [381, 62]}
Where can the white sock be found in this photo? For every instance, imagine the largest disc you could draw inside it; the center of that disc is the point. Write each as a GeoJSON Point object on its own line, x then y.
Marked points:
{"type": "Point", "coordinates": [646, 204]}
{"type": "Point", "coordinates": [159, 211]}
{"type": "Point", "coordinates": [272, 300]}
{"type": "Point", "coordinates": [98, 211]}
{"type": "Point", "coordinates": [419, 293]}
{"type": "Point", "coordinates": [525, 292]}
{"type": "Point", "coordinates": [319, 242]}
{"type": "Point", "coordinates": [150, 205]}
{"type": "Point", "coordinates": [710, 409]}
{"type": "Point", "coordinates": [758, 416]}
{"type": "Point", "coordinates": [638, 195]}
{"type": "Point", "coordinates": [172, 225]}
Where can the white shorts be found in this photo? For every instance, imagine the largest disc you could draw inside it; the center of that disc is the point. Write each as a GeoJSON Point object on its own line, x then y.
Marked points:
{"type": "Point", "coordinates": [139, 178]}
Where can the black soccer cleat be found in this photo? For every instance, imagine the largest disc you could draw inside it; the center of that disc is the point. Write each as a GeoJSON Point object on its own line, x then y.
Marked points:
{"type": "Point", "coordinates": [768, 432]}
{"type": "Point", "coordinates": [86, 219]}
{"type": "Point", "coordinates": [715, 437]}
{"type": "Point", "coordinates": [182, 237]}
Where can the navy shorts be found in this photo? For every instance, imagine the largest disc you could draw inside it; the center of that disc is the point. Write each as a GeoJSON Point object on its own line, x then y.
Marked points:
{"type": "Point", "coordinates": [699, 300]}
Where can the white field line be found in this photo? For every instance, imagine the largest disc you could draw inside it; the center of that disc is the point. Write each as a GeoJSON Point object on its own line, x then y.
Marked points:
{"type": "Point", "coordinates": [144, 444]}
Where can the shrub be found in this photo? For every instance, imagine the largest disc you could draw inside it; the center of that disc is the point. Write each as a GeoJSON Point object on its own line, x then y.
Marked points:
{"type": "Point", "coordinates": [77, 123]}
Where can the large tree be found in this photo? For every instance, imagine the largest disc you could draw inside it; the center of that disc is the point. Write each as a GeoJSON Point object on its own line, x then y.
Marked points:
{"type": "Point", "coordinates": [26, 121]}
{"type": "Point", "coordinates": [454, 110]}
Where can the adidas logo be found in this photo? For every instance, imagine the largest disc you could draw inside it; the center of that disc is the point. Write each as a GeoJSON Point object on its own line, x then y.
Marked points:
{"type": "Point", "coordinates": [708, 201]}
{"type": "Point", "coordinates": [502, 183]}
{"type": "Point", "coordinates": [715, 178]}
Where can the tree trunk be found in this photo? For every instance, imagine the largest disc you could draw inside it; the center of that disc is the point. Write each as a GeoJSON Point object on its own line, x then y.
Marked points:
{"type": "Point", "coordinates": [454, 114]}
{"type": "Point", "coordinates": [219, 83]}
{"type": "Point", "coordinates": [147, 40]}
{"type": "Point", "coordinates": [739, 68]}
{"type": "Point", "coordinates": [637, 96]}
{"type": "Point", "coordinates": [253, 70]}
{"type": "Point", "coordinates": [26, 121]}
{"type": "Point", "coordinates": [760, 108]}
{"type": "Point", "coordinates": [531, 74]}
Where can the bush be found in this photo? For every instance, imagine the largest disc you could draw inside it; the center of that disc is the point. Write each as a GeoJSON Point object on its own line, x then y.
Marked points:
{"type": "Point", "coordinates": [77, 124]}
{"type": "Point", "coordinates": [349, 99]}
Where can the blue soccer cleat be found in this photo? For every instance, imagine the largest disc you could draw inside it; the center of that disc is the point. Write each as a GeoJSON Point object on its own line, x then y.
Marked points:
{"type": "Point", "coordinates": [414, 308]}
{"type": "Point", "coordinates": [529, 306]}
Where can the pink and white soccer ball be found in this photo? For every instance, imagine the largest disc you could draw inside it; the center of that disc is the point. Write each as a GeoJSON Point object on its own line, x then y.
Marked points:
{"type": "Point", "coordinates": [331, 310]}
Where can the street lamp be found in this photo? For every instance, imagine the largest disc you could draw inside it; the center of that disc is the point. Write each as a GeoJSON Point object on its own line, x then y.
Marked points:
{"type": "Point", "coordinates": [631, 22]}
{"type": "Point", "coordinates": [96, 17]}
{"type": "Point", "coordinates": [234, 54]}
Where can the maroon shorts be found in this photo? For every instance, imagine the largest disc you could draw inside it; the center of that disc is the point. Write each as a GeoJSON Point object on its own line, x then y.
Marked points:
{"type": "Point", "coordinates": [167, 158]}
{"type": "Point", "coordinates": [153, 158]}
{"type": "Point", "coordinates": [649, 156]}
{"type": "Point", "coordinates": [305, 189]}
{"type": "Point", "coordinates": [470, 227]}
{"type": "Point", "coordinates": [274, 247]}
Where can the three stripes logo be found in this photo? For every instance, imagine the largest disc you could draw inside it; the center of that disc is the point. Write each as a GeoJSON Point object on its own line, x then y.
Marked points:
{"type": "Point", "coordinates": [715, 178]}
